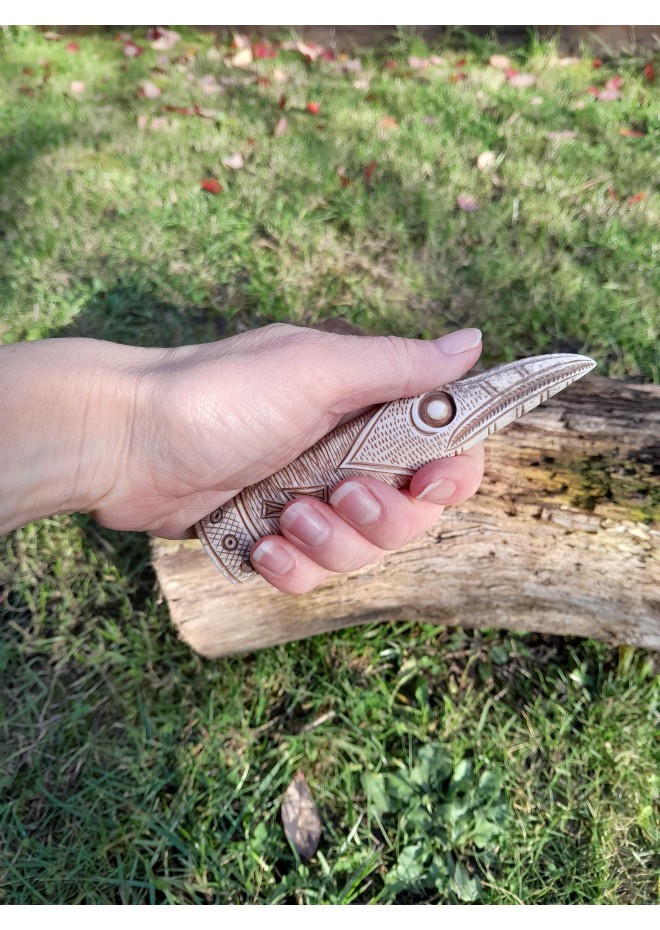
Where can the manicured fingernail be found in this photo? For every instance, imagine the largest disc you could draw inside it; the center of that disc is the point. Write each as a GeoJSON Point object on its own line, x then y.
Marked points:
{"type": "Point", "coordinates": [438, 491]}
{"type": "Point", "coordinates": [460, 341]}
{"type": "Point", "coordinates": [355, 502]}
{"type": "Point", "coordinates": [272, 557]}
{"type": "Point", "coordinates": [304, 522]}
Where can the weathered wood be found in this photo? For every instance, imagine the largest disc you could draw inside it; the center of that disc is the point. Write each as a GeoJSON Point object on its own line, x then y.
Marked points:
{"type": "Point", "coordinates": [562, 538]}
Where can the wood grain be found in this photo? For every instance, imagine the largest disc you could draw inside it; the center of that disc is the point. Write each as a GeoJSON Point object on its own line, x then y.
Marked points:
{"type": "Point", "coordinates": [562, 538]}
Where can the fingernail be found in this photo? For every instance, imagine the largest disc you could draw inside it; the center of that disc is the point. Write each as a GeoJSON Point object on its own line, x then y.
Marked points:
{"type": "Point", "coordinates": [460, 341]}
{"type": "Point", "coordinates": [272, 557]}
{"type": "Point", "coordinates": [438, 491]}
{"type": "Point", "coordinates": [354, 501]}
{"type": "Point", "coordinates": [301, 520]}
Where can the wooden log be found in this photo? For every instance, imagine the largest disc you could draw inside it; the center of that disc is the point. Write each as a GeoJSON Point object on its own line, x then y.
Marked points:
{"type": "Point", "coordinates": [562, 538]}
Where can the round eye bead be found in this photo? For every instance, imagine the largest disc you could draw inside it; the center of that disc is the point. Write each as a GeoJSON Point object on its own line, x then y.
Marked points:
{"type": "Point", "coordinates": [433, 411]}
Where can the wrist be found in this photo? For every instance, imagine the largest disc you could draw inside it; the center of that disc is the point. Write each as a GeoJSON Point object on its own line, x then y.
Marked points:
{"type": "Point", "coordinates": [66, 410]}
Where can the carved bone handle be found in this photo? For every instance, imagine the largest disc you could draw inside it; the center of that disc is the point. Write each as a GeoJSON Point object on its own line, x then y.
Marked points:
{"type": "Point", "coordinates": [389, 443]}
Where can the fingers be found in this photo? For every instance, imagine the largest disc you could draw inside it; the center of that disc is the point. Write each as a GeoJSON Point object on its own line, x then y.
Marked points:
{"type": "Point", "coordinates": [363, 520]}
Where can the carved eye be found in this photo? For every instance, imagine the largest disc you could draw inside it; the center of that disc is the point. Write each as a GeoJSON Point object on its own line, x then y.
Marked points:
{"type": "Point", "coordinates": [433, 411]}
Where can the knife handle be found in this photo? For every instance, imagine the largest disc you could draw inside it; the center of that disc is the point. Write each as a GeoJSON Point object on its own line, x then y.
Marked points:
{"type": "Point", "coordinates": [388, 443]}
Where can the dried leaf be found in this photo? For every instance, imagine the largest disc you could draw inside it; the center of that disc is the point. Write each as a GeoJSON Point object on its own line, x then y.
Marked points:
{"type": "Point", "coordinates": [568, 60]}
{"type": "Point", "coordinates": [166, 40]}
{"type": "Point", "coordinates": [614, 83]}
{"type": "Point", "coordinates": [131, 50]}
{"type": "Point", "coordinates": [609, 93]}
{"type": "Point", "coordinates": [233, 161]}
{"type": "Point", "coordinates": [369, 171]}
{"type": "Point", "coordinates": [27, 91]}
{"type": "Point", "coordinates": [649, 72]}
{"type": "Point", "coordinates": [281, 126]}
{"type": "Point", "coordinates": [467, 203]}
{"type": "Point", "coordinates": [242, 58]}
{"type": "Point", "coordinates": [159, 122]}
{"type": "Point", "coordinates": [313, 108]}
{"type": "Point", "coordinates": [209, 85]}
{"type": "Point", "coordinates": [459, 76]}
{"type": "Point", "coordinates": [240, 41]}
{"type": "Point", "coordinates": [388, 122]}
{"type": "Point", "coordinates": [499, 61]}
{"type": "Point", "coordinates": [631, 133]}
{"type": "Point", "coordinates": [211, 185]}
{"type": "Point", "coordinates": [53, 36]}
{"type": "Point", "coordinates": [142, 121]}
{"type": "Point", "coordinates": [300, 817]}
{"type": "Point", "coordinates": [77, 88]}
{"type": "Point", "coordinates": [263, 50]}
{"type": "Point", "coordinates": [636, 198]}
{"type": "Point", "coordinates": [486, 160]}
{"type": "Point", "coordinates": [562, 134]}
{"type": "Point", "coordinates": [279, 76]}
{"type": "Point", "coordinates": [597, 63]}
{"type": "Point", "coordinates": [72, 47]}
{"type": "Point", "coordinates": [417, 64]}
{"type": "Point", "coordinates": [520, 80]}
{"type": "Point", "coordinates": [437, 61]}
{"type": "Point", "coordinates": [149, 91]}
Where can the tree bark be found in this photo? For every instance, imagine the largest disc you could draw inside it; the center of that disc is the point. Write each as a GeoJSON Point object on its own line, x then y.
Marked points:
{"type": "Point", "coordinates": [562, 538]}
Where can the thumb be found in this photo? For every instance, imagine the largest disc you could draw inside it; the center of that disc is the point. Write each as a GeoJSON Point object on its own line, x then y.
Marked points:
{"type": "Point", "coordinates": [376, 369]}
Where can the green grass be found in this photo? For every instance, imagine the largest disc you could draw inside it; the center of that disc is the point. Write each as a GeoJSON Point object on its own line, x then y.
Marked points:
{"type": "Point", "coordinates": [133, 771]}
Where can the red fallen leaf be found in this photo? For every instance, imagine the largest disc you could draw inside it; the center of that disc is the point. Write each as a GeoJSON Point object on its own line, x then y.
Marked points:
{"type": "Point", "coordinates": [459, 76]}
{"type": "Point", "coordinates": [327, 55]}
{"type": "Point", "coordinates": [649, 72]}
{"type": "Point", "coordinates": [510, 72]}
{"type": "Point", "coordinates": [313, 108]}
{"type": "Point", "coordinates": [388, 122]}
{"type": "Point", "coordinates": [597, 63]}
{"type": "Point", "coordinates": [467, 203]}
{"type": "Point", "coordinates": [593, 90]}
{"type": "Point", "coordinates": [460, 62]}
{"type": "Point", "coordinates": [370, 98]}
{"type": "Point", "coordinates": [72, 47]}
{"type": "Point", "coordinates": [28, 91]}
{"type": "Point", "coordinates": [614, 83]}
{"type": "Point", "coordinates": [251, 141]}
{"type": "Point", "coordinates": [131, 50]}
{"type": "Point", "coordinates": [631, 133]}
{"type": "Point", "coordinates": [165, 40]}
{"type": "Point", "coordinates": [282, 102]}
{"type": "Point", "coordinates": [264, 81]}
{"type": "Point", "coordinates": [612, 194]}
{"type": "Point", "coordinates": [391, 63]}
{"type": "Point", "coordinates": [211, 185]}
{"type": "Point", "coordinates": [369, 171]}
{"type": "Point", "coordinates": [344, 181]}
{"type": "Point", "coordinates": [262, 50]}
{"type": "Point", "coordinates": [636, 198]}
{"type": "Point", "coordinates": [610, 93]}
{"type": "Point", "coordinates": [281, 126]}
{"type": "Point", "coordinates": [27, 71]}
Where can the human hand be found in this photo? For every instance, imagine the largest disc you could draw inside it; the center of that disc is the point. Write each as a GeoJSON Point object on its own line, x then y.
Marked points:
{"type": "Point", "coordinates": [169, 435]}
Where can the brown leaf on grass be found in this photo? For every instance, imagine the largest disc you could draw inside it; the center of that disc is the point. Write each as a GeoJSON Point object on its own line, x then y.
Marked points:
{"type": "Point", "coordinates": [300, 817]}
{"type": "Point", "coordinates": [166, 39]}
{"type": "Point", "coordinates": [149, 91]}
{"type": "Point", "coordinates": [520, 80]}
{"type": "Point", "coordinates": [636, 198]}
{"type": "Point", "coordinates": [486, 160]}
{"type": "Point", "coordinates": [467, 203]}
{"type": "Point", "coordinates": [52, 36]}
{"type": "Point", "coordinates": [281, 126]}
{"type": "Point", "coordinates": [234, 161]}
{"type": "Point", "coordinates": [77, 88]}
{"type": "Point", "coordinates": [459, 76]}
{"type": "Point", "coordinates": [211, 185]}
{"type": "Point", "coordinates": [631, 133]}
{"type": "Point", "coordinates": [193, 111]}
{"type": "Point", "coordinates": [649, 72]}
{"type": "Point", "coordinates": [388, 122]}
{"type": "Point", "coordinates": [27, 91]}
{"type": "Point", "coordinates": [242, 58]}
{"type": "Point", "coordinates": [368, 172]}
{"type": "Point", "coordinates": [499, 61]}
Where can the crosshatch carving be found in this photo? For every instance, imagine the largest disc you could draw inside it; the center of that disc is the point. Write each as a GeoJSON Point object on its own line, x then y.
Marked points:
{"type": "Point", "coordinates": [390, 443]}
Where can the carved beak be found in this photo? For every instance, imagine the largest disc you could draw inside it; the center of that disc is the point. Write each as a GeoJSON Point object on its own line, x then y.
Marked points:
{"type": "Point", "coordinates": [487, 402]}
